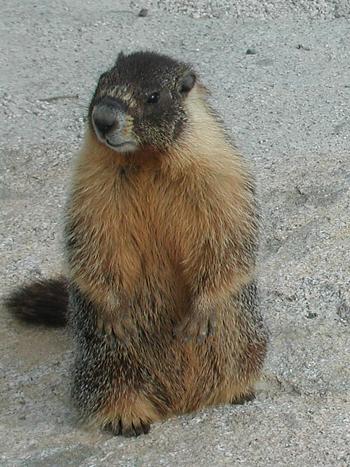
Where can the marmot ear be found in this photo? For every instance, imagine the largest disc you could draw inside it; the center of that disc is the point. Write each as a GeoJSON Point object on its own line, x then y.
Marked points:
{"type": "Point", "coordinates": [187, 82]}
{"type": "Point", "coordinates": [120, 55]}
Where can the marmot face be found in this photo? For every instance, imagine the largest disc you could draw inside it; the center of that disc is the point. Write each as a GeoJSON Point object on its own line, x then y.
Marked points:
{"type": "Point", "coordinates": [139, 102]}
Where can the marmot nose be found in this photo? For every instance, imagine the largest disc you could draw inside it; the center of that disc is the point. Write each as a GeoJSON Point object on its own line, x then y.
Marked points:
{"type": "Point", "coordinates": [104, 117]}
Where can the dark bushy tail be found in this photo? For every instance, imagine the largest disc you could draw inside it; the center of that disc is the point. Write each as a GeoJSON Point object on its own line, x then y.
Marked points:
{"type": "Point", "coordinates": [40, 302]}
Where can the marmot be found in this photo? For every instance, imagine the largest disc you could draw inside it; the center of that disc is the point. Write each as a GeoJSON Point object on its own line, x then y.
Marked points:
{"type": "Point", "coordinates": [161, 236]}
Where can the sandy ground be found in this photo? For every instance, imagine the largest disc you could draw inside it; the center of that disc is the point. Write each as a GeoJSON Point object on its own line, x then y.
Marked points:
{"type": "Point", "coordinates": [288, 107]}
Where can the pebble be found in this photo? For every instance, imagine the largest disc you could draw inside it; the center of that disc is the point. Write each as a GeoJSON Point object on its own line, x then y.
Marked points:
{"type": "Point", "coordinates": [251, 51]}
{"type": "Point", "coordinates": [143, 13]}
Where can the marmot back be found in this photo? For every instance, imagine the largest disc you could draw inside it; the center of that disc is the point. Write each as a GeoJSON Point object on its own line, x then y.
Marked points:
{"type": "Point", "coordinates": [161, 242]}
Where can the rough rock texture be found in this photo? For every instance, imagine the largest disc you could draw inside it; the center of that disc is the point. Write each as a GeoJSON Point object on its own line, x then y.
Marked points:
{"type": "Point", "coordinates": [261, 9]}
{"type": "Point", "coordinates": [288, 106]}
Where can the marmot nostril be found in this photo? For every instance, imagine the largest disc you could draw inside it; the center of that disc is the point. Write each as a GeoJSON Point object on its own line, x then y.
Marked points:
{"type": "Point", "coordinates": [104, 117]}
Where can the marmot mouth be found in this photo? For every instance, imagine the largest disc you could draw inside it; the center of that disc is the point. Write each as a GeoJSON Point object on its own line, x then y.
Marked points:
{"type": "Point", "coordinates": [124, 146]}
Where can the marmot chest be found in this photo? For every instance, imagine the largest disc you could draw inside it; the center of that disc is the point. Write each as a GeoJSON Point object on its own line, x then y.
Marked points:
{"type": "Point", "coordinates": [130, 227]}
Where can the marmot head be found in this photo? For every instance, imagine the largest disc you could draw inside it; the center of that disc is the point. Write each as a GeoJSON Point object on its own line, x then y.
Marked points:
{"type": "Point", "coordinates": [140, 102]}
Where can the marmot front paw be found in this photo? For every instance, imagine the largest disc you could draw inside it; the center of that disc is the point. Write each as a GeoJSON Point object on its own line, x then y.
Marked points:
{"type": "Point", "coordinates": [197, 326]}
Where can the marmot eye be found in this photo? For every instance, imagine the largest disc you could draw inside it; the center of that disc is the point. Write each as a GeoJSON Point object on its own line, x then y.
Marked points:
{"type": "Point", "coordinates": [153, 98]}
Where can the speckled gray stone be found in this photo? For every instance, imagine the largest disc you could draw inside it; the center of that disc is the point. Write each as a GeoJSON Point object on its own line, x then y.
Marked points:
{"type": "Point", "coordinates": [288, 109]}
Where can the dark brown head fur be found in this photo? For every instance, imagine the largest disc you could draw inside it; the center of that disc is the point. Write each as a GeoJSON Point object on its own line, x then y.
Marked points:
{"type": "Point", "coordinates": [139, 102]}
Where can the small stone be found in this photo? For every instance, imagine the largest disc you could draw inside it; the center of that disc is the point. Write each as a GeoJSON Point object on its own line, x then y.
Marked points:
{"type": "Point", "coordinates": [311, 315]}
{"type": "Point", "coordinates": [251, 51]}
{"type": "Point", "coordinates": [343, 311]}
{"type": "Point", "coordinates": [302, 47]}
{"type": "Point", "coordinates": [143, 13]}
